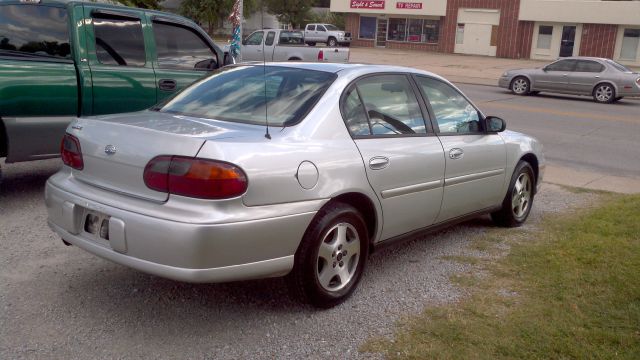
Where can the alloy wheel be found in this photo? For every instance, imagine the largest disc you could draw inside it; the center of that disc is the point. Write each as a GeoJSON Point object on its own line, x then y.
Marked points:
{"type": "Point", "coordinates": [520, 86]}
{"type": "Point", "coordinates": [604, 93]}
{"type": "Point", "coordinates": [521, 197]}
{"type": "Point", "coordinates": [338, 257]}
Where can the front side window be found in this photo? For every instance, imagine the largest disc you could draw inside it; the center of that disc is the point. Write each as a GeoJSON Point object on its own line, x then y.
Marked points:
{"type": "Point", "coordinates": [320, 28]}
{"type": "Point", "coordinates": [562, 65]}
{"type": "Point", "coordinates": [34, 30]}
{"type": "Point", "coordinates": [397, 30]}
{"type": "Point", "coordinates": [181, 48]}
{"type": "Point", "coordinates": [367, 27]}
{"type": "Point", "coordinates": [589, 66]}
{"type": "Point", "coordinates": [255, 38]}
{"type": "Point", "coordinates": [241, 93]}
{"type": "Point", "coordinates": [387, 102]}
{"type": "Point", "coordinates": [119, 41]}
{"type": "Point", "coordinates": [453, 112]}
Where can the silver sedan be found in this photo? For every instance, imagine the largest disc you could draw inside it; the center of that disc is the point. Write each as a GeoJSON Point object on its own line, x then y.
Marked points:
{"type": "Point", "coordinates": [287, 169]}
{"type": "Point", "coordinates": [604, 79]}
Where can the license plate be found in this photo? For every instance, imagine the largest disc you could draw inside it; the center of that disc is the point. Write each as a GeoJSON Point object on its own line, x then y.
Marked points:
{"type": "Point", "coordinates": [97, 224]}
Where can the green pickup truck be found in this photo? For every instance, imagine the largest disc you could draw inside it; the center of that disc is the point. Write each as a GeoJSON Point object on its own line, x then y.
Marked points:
{"type": "Point", "coordinates": [63, 59]}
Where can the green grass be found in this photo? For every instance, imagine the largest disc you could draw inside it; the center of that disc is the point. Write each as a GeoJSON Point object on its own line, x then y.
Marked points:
{"type": "Point", "coordinates": [568, 291]}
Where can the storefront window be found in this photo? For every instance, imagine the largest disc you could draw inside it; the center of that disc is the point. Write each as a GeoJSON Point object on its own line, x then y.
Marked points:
{"type": "Point", "coordinates": [630, 43]}
{"type": "Point", "coordinates": [397, 29]}
{"type": "Point", "coordinates": [460, 34]}
{"type": "Point", "coordinates": [367, 27]}
{"type": "Point", "coordinates": [544, 37]}
{"type": "Point", "coordinates": [431, 31]}
{"type": "Point", "coordinates": [415, 30]}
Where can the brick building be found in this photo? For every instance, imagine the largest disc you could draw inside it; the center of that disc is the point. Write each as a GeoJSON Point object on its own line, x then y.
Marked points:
{"type": "Point", "coordinates": [537, 29]}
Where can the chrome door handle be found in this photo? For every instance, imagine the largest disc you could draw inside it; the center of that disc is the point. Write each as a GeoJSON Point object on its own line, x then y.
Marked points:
{"type": "Point", "coordinates": [456, 153]}
{"type": "Point", "coordinates": [378, 163]}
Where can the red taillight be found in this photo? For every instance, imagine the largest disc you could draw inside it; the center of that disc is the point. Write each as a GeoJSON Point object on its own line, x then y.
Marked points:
{"type": "Point", "coordinates": [198, 178]}
{"type": "Point", "coordinates": [320, 55]}
{"type": "Point", "coordinates": [638, 81]}
{"type": "Point", "coordinates": [71, 152]}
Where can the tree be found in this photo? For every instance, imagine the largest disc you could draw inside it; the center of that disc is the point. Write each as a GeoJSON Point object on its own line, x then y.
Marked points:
{"type": "Point", "coordinates": [294, 12]}
{"type": "Point", "coordinates": [212, 13]}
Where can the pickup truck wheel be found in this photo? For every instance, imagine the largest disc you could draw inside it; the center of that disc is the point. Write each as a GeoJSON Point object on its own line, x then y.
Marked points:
{"type": "Point", "coordinates": [332, 42]}
{"type": "Point", "coordinates": [331, 257]}
{"type": "Point", "coordinates": [517, 203]}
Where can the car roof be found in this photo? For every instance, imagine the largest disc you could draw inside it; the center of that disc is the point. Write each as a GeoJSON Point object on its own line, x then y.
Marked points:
{"type": "Point", "coordinates": [346, 67]}
{"type": "Point", "coordinates": [583, 58]}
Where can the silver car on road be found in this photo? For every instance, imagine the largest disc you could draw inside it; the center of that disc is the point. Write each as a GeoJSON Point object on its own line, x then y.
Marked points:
{"type": "Point", "coordinates": [294, 169]}
{"type": "Point", "coordinates": [604, 79]}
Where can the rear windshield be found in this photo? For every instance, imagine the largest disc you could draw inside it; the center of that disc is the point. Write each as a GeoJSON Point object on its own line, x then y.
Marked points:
{"type": "Point", "coordinates": [240, 93]}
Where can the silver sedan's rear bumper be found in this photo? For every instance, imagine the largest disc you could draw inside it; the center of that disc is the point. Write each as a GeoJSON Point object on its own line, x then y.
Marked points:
{"type": "Point", "coordinates": [178, 250]}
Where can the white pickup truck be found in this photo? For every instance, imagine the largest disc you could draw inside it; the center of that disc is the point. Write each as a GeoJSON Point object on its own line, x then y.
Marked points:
{"type": "Point", "coordinates": [286, 45]}
{"type": "Point", "coordinates": [326, 33]}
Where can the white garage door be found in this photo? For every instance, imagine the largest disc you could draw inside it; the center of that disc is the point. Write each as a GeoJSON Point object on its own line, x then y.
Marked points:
{"type": "Point", "coordinates": [475, 30]}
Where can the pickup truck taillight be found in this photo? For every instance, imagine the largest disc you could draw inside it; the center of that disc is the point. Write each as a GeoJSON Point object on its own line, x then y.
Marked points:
{"type": "Point", "coordinates": [320, 55]}
{"type": "Point", "coordinates": [71, 152]}
{"type": "Point", "coordinates": [193, 177]}
{"type": "Point", "coordinates": [638, 81]}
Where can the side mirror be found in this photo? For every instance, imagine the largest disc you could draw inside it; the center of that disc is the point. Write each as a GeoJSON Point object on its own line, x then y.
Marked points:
{"type": "Point", "coordinates": [494, 124]}
{"type": "Point", "coordinates": [244, 41]}
{"type": "Point", "coordinates": [208, 64]}
{"type": "Point", "coordinates": [544, 68]}
{"type": "Point", "coordinates": [228, 60]}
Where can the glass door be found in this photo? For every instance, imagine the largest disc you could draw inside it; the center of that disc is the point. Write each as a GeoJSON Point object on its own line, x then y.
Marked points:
{"type": "Point", "coordinates": [568, 40]}
{"type": "Point", "coordinates": [381, 33]}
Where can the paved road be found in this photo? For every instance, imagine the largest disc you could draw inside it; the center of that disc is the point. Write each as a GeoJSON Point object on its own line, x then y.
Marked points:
{"type": "Point", "coordinates": [575, 131]}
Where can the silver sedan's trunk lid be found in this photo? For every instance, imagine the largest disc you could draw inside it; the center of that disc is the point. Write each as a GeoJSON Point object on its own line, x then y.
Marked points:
{"type": "Point", "coordinates": [116, 148]}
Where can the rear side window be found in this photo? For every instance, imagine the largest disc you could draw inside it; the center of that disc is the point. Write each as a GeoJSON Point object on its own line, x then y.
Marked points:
{"type": "Point", "coordinates": [589, 66]}
{"type": "Point", "coordinates": [119, 41]}
{"type": "Point", "coordinates": [247, 93]}
{"type": "Point", "coordinates": [181, 48]}
{"type": "Point", "coordinates": [270, 37]}
{"type": "Point", "coordinates": [34, 30]}
{"type": "Point", "coordinates": [384, 105]}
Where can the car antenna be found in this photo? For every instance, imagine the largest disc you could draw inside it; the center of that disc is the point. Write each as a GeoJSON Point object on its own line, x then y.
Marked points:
{"type": "Point", "coordinates": [264, 70]}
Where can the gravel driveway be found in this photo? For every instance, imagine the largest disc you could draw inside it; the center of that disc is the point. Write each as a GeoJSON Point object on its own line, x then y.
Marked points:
{"type": "Point", "coordinates": [60, 302]}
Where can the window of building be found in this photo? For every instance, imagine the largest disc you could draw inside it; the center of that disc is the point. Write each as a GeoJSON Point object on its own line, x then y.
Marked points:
{"type": "Point", "coordinates": [35, 29]}
{"type": "Point", "coordinates": [367, 27]}
{"type": "Point", "coordinates": [544, 37]}
{"type": "Point", "coordinates": [630, 43]}
{"type": "Point", "coordinates": [460, 34]}
{"type": "Point", "coordinates": [413, 30]}
{"type": "Point", "coordinates": [397, 29]}
{"type": "Point", "coordinates": [119, 41]}
{"type": "Point", "coordinates": [181, 48]}
{"type": "Point", "coordinates": [430, 31]}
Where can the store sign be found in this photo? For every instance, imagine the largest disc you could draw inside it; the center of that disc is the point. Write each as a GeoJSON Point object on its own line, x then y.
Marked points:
{"type": "Point", "coordinates": [408, 5]}
{"type": "Point", "coordinates": [367, 4]}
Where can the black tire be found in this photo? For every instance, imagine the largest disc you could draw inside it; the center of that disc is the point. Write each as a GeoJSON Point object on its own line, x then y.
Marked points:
{"type": "Point", "coordinates": [618, 98]}
{"type": "Point", "coordinates": [305, 280]}
{"type": "Point", "coordinates": [604, 93]}
{"type": "Point", "coordinates": [311, 44]}
{"type": "Point", "coordinates": [520, 85]}
{"type": "Point", "coordinates": [510, 215]}
{"type": "Point", "coordinates": [332, 42]}
{"type": "Point", "coordinates": [534, 93]}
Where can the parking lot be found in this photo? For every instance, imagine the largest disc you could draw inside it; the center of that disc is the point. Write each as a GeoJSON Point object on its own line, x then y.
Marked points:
{"type": "Point", "coordinates": [61, 302]}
